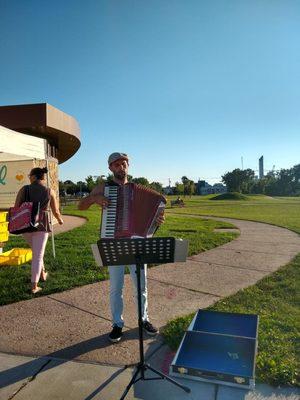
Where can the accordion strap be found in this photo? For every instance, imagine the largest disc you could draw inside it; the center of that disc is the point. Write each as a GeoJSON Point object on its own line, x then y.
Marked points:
{"type": "Point", "coordinates": [27, 193]}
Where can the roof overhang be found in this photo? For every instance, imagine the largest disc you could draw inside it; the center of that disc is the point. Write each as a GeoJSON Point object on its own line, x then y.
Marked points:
{"type": "Point", "coordinates": [47, 122]}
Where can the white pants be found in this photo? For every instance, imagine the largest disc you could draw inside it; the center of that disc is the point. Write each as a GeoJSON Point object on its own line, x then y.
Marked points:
{"type": "Point", "coordinates": [37, 241]}
{"type": "Point", "coordinates": [116, 274]}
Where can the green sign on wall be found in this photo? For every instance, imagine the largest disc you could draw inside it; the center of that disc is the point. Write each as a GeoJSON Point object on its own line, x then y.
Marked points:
{"type": "Point", "coordinates": [3, 173]}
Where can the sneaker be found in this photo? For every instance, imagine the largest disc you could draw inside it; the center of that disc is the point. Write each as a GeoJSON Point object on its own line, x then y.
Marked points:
{"type": "Point", "coordinates": [116, 334]}
{"type": "Point", "coordinates": [149, 328]}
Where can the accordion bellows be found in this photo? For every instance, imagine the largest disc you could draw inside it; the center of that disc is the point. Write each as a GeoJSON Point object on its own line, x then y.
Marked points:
{"type": "Point", "coordinates": [132, 212]}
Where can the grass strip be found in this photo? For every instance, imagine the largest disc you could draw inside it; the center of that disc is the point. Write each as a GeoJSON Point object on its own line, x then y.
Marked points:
{"type": "Point", "coordinates": [278, 211]}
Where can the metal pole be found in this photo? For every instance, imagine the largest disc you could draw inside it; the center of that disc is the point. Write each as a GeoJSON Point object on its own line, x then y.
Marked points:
{"type": "Point", "coordinates": [50, 213]}
{"type": "Point", "coordinates": [140, 266]}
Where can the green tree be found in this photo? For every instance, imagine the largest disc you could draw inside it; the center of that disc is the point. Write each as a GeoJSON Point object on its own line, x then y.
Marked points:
{"type": "Point", "coordinates": [239, 180]}
{"type": "Point", "coordinates": [258, 186]}
{"type": "Point", "coordinates": [141, 181]}
{"type": "Point", "coordinates": [81, 187]}
{"type": "Point", "coordinates": [110, 178]}
{"type": "Point", "coordinates": [296, 173]}
{"type": "Point", "coordinates": [156, 186]}
{"type": "Point", "coordinates": [90, 183]}
{"type": "Point", "coordinates": [191, 188]}
{"type": "Point", "coordinates": [272, 187]}
{"type": "Point", "coordinates": [296, 179]}
{"type": "Point", "coordinates": [285, 182]}
{"type": "Point", "coordinates": [188, 186]}
{"type": "Point", "coordinates": [62, 188]}
{"type": "Point", "coordinates": [70, 187]}
{"type": "Point", "coordinates": [179, 188]}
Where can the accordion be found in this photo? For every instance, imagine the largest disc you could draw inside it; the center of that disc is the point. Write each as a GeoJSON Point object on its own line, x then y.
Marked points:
{"type": "Point", "coordinates": [132, 211]}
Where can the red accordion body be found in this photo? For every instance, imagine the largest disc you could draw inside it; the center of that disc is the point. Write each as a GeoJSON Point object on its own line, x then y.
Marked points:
{"type": "Point", "coordinates": [133, 212]}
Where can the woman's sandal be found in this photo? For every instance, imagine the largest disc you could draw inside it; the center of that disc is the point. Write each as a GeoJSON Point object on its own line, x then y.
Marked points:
{"type": "Point", "coordinates": [36, 290]}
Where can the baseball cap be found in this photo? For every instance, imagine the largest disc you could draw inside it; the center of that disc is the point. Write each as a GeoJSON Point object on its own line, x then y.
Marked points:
{"type": "Point", "coordinates": [117, 156]}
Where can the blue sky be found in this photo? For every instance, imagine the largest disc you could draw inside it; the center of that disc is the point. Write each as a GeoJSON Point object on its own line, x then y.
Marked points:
{"type": "Point", "coordinates": [184, 87]}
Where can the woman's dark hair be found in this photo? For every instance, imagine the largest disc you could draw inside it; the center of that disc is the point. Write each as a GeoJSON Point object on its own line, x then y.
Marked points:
{"type": "Point", "coordinates": [39, 173]}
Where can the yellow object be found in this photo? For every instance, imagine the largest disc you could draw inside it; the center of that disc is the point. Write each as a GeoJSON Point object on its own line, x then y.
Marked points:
{"type": "Point", "coordinates": [4, 236]}
{"type": "Point", "coordinates": [15, 256]}
{"type": "Point", "coordinates": [3, 216]}
{"type": "Point", "coordinates": [3, 227]}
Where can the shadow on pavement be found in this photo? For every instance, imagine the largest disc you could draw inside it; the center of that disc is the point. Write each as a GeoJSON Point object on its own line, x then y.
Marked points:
{"type": "Point", "coordinates": [41, 364]}
{"type": "Point", "coordinates": [104, 384]}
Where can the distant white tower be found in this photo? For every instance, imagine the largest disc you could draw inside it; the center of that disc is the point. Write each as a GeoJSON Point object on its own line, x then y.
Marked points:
{"type": "Point", "coordinates": [261, 167]}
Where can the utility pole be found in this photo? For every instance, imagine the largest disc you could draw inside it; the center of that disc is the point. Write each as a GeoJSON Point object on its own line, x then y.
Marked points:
{"type": "Point", "coordinates": [242, 161]}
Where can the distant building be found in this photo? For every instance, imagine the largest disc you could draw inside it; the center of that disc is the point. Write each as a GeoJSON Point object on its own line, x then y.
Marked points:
{"type": "Point", "coordinates": [168, 190]}
{"type": "Point", "coordinates": [261, 167]}
{"type": "Point", "coordinates": [203, 188]}
{"type": "Point", "coordinates": [200, 185]}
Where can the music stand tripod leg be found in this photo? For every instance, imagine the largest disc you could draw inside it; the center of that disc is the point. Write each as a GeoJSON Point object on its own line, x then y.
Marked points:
{"type": "Point", "coordinates": [140, 367]}
{"type": "Point", "coordinates": [163, 376]}
{"type": "Point", "coordinates": [140, 318]}
{"type": "Point", "coordinates": [132, 381]}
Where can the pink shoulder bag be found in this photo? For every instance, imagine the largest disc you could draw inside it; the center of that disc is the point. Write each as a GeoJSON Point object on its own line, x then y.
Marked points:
{"type": "Point", "coordinates": [24, 218]}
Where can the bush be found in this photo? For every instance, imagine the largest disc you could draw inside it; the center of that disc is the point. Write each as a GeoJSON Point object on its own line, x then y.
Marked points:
{"type": "Point", "coordinates": [230, 196]}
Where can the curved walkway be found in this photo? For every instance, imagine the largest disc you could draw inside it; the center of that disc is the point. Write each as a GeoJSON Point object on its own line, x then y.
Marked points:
{"type": "Point", "coordinates": [70, 222]}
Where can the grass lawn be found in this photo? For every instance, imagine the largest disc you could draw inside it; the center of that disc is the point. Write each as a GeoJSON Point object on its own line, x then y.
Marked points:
{"type": "Point", "coordinates": [74, 264]}
{"type": "Point", "coordinates": [275, 298]}
{"type": "Point", "coordinates": [281, 211]}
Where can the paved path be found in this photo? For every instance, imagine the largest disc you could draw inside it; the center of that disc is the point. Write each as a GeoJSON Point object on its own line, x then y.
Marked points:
{"type": "Point", "coordinates": [70, 222]}
{"type": "Point", "coordinates": [73, 325]}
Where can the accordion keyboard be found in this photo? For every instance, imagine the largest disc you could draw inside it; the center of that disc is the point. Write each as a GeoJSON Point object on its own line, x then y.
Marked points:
{"type": "Point", "coordinates": [109, 213]}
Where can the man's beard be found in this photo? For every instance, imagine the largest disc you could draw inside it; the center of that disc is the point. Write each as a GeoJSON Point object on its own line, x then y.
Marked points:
{"type": "Point", "coordinates": [120, 175]}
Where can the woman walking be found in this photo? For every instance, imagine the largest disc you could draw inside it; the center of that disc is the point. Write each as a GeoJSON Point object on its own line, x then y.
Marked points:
{"type": "Point", "coordinates": [38, 192]}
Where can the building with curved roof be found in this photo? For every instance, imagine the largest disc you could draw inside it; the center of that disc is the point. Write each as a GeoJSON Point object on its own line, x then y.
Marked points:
{"type": "Point", "coordinates": [60, 130]}
{"type": "Point", "coordinates": [33, 135]}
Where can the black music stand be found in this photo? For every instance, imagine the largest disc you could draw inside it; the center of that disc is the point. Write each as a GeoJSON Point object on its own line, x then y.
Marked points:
{"type": "Point", "coordinates": [139, 251]}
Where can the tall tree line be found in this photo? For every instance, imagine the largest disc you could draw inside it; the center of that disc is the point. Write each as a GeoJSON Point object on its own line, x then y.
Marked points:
{"type": "Point", "coordinates": [81, 187]}
{"type": "Point", "coordinates": [284, 182]}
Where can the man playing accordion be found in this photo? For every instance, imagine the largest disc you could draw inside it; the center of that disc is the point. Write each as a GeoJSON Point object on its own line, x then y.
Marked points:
{"type": "Point", "coordinates": [118, 164]}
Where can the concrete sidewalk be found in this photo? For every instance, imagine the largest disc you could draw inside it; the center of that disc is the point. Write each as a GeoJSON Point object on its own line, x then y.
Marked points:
{"type": "Point", "coordinates": [28, 378]}
{"type": "Point", "coordinates": [65, 334]}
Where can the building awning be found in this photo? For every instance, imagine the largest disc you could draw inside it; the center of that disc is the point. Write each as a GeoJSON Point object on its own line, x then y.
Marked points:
{"type": "Point", "coordinates": [18, 146]}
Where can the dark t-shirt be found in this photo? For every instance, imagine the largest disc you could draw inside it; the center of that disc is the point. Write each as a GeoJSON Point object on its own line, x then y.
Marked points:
{"type": "Point", "coordinates": [39, 193]}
